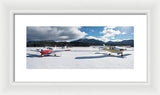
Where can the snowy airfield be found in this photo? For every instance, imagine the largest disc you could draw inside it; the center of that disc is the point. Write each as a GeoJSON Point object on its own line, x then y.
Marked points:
{"type": "Point", "coordinates": [80, 58]}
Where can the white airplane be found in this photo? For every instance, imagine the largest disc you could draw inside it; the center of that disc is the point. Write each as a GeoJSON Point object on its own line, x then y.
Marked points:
{"type": "Point", "coordinates": [111, 49]}
{"type": "Point", "coordinates": [114, 49]}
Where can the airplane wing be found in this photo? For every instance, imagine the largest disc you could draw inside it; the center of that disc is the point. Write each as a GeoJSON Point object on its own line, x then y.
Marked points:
{"type": "Point", "coordinates": [121, 50]}
{"type": "Point", "coordinates": [36, 50]}
{"type": "Point", "coordinates": [61, 50]}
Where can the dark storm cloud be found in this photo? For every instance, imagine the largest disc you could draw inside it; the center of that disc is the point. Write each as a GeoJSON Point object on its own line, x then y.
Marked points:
{"type": "Point", "coordinates": [54, 33]}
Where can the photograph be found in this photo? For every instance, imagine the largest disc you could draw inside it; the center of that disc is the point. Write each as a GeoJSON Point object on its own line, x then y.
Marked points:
{"type": "Point", "coordinates": [80, 47]}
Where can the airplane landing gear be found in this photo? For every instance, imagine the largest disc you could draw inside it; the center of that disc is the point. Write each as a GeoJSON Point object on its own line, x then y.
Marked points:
{"type": "Point", "coordinates": [42, 55]}
{"type": "Point", "coordinates": [122, 54]}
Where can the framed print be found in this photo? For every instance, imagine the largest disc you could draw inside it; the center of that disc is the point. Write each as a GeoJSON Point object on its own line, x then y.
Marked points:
{"type": "Point", "coordinates": [80, 47]}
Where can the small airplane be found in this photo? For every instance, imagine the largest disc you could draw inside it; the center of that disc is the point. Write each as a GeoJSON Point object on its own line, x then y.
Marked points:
{"type": "Point", "coordinates": [111, 49]}
{"type": "Point", "coordinates": [114, 49]}
{"type": "Point", "coordinates": [49, 51]}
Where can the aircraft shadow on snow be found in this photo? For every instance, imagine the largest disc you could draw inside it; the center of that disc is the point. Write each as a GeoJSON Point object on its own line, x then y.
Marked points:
{"type": "Point", "coordinates": [35, 55]}
{"type": "Point", "coordinates": [102, 56]}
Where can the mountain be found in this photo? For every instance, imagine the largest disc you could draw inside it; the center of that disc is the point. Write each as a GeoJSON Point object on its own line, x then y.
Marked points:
{"type": "Point", "coordinates": [124, 42]}
{"type": "Point", "coordinates": [90, 41]}
{"type": "Point", "coordinates": [80, 42]}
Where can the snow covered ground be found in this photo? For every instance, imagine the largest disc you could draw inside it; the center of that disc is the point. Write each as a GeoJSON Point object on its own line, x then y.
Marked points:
{"type": "Point", "coordinates": [80, 58]}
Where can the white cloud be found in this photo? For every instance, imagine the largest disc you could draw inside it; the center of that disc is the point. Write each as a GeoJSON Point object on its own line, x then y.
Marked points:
{"type": "Point", "coordinates": [101, 38]}
{"type": "Point", "coordinates": [109, 33]}
{"type": "Point", "coordinates": [117, 40]}
{"type": "Point", "coordinates": [54, 33]}
{"type": "Point", "coordinates": [123, 33]}
{"type": "Point", "coordinates": [113, 37]}
{"type": "Point", "coordinates": [104, 39]}
{"type": "Point", "coordinates": [91, 37]}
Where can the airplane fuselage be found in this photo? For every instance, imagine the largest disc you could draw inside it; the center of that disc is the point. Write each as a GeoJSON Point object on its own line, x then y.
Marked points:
{"type": "Point", "coordinates": [49, 51]}
{"type": "Point", "coordinates": [43, 52]}
{"type": "Point", "coordinates": [113, 49]}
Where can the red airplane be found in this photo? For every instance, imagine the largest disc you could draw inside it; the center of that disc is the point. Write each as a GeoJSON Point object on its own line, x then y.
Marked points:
{"type": "Point", "coordinates": [48, 51]}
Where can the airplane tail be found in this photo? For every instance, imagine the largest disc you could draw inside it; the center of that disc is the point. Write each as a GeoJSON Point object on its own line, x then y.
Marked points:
{"type": "Point", "coordinates": [55, 47]}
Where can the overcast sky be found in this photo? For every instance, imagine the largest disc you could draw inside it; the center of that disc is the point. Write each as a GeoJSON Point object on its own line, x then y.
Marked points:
{"type": "Point", "coordinates": [103, 33]}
